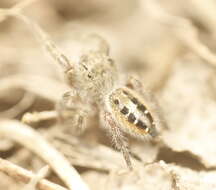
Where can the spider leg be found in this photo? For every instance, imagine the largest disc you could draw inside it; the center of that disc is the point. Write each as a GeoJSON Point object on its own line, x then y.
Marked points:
{"type": "Point", "coordinates": [134, 83]}
{"type": "Point", "coordinates": [95, 42]}
{"type": "Point", "coordinates": [118, 138]}
{"type": "Point", "coordinates": [71, 112]}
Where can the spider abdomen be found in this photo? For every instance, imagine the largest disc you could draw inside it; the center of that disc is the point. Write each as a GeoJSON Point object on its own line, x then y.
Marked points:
{"type": "Point", "coordinates": [131, 113]}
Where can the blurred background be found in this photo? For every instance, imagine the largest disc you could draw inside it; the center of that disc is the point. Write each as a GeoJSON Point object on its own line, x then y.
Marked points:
{"type": "Point", "coordinates": [168, 45]}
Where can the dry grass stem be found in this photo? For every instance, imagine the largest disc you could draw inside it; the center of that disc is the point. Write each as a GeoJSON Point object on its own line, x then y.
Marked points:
{"type": "Point", "coordinates": [39, 116]}
{"type": "Point", "coordinates": [16, 8]}
{"type": "Point", "coordinates": [27, 100]}
{"type": "Point", "coordinates": [45, 41]}
{"type": "Point", "coordinates": [22, 4]}
{"type": "Point", "coordinates": [95, 156]}
{"type": "Point", "coordinates": [51, 91]}
{"type": "Point", "coordinates": [42, 173]}
{"type": "Point", "coordinates": [26, 176]}
{"type": "Point", "coordinates": [32, 140]}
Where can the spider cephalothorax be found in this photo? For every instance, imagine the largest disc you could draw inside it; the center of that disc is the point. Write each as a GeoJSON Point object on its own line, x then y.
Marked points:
{"type": "Point", "coordinates": [95, 73]}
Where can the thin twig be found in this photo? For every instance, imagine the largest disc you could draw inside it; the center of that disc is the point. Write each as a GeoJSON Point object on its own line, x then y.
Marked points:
{"type": "Point", "coordinates": [41, 174]}
{"type": "Point", "coordinates": [52, 89]}
{"type": "Point", "coordinates": [40, 34]}
{"type": "Point", "coordinates": [44, 115]}
{"type": "Point", "coordinates": [22, 4]}
{"type": "Point", "coordinates": [45, 41]}
{"type": "Point", "coordinates": [84, 155]}
{"type": "Point", "coordinates": [16, 8]}
{"type": "Point", "coordinates": [25, 135]}
{"type": "Point", "coordinates": [27, 100]}
{"type": "Point", "coordinates": [25, 176]}
{"type": "Point", "coordinates": [39, 116]}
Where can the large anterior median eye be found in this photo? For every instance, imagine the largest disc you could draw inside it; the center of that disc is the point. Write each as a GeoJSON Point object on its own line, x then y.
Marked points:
{"type": "Point", "coordinates": [89, 76]}
{"type": "Point", "coordinates": [111, 61]}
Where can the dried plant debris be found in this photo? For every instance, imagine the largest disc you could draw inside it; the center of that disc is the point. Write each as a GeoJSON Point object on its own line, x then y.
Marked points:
{"type": "Point", "coordinates": [169, 46]}
{"type": "Point", "coordinates": [189, 107]}
{"type": "Point", "coordinates": [27, 177]}
{"type": "Point", "coordinates": [33, 141]}
{"type": "Point", "coordinates": [96, 156]}
{"type": "Point", "coordinates": [154, 176]}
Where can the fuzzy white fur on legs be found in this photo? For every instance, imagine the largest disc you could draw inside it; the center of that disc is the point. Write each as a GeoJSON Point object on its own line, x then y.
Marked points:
{"type": "Point", "coordinates": [118, 138]}
{"type": "Point", "coordinates": [71, 112]}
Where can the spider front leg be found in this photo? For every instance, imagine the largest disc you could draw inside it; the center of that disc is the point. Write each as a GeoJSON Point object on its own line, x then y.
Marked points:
{"type": "Point", "coordinates": [118, 138]}
{"type": "Point", "coordinates": [72, 112]}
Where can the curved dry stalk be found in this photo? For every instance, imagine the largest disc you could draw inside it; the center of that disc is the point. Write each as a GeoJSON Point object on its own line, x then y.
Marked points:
{"type": "Point", "coordinates": [45, 41]}
{"type": "Point", "coordinates": [184, 30]}
{"type": "Point", "coordinates": [39, 116]}
{"type": "Point", "coordinates": [40, 34]}
{"type": "Point", "coordinates": [204, 11]}
{"type": "Point", "coordinates": [42, 173]}
{"type": "Point", "coordinates": [25, 176]}
{"type": "Point", "coordinates": [43, 116]}
{"type": "Point", "coordinates": [16, 8]}
{"type": "Point", "coordinates": [22, 4]}
{"type": "Point", "coordinates": [52, 89]}
{"type": "Point", "coordinates": [27, 100]}
{"type": "Point", "coordinates": [32, 140]}
{"type": "Point", "coordinates": [97, 157]}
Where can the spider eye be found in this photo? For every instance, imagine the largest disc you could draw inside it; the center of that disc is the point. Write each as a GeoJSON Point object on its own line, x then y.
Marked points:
{"type": "Point", "coordinates": [89, 76]}
{"type": "Point", "coordinates": [111, 61]}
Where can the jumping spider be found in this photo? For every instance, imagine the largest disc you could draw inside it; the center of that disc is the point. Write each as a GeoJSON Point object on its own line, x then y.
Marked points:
{"type": "Point", "coordinates": [95, 82]}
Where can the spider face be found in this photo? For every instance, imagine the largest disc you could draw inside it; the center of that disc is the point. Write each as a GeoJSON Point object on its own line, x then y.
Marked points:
{"type": "Point", "coordinates": [95, 73]}
{"type": "Point", "coordinates": [131, 113]}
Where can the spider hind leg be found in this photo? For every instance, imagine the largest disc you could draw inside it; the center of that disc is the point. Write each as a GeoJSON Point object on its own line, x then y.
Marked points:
{"type": "Point", "coordinates": [118, 138]}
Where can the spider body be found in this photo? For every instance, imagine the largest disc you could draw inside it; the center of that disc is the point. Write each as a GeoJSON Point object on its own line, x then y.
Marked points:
{"type": "Point", "coordinates": [95, 80]}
